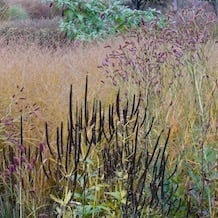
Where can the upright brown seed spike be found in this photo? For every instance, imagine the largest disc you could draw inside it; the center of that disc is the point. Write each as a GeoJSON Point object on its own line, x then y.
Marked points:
{"type": "Point", "coordinates": [70, 108]}
{"type": "Point", "coordinates": [43, 166]}
{"type": "Point", "coordinates": [94, 112]}
{"type": "Point", "coordinates": [80, 119]}
{"type": "Point", "coordinates": [138, 104]}
{"type": "Point", "coordinates": [163, 165]}
{"type": "Point", "coordinates": [70, 129]}
{"type": "Point", "coordinates": [165, 145]}
{"type": "Point", "coordinates": [133, 107]}
{"type": "Point", "coordinates": [125, 112]}
{"type": "Point", "coordinates": [155, 148]}
{"type": "Point", "coordinates": [58, 144]}
{"type": "Point", "coordinates": [28, 154]}
{"type": "Point", "coordinates": [86, 114]}
{"type": "Point", "coordinates": [173, 173]}
{"type": "Point", "coordinates": [87, 142]}
{"type": "Point", "coordinates": [87, 153]}
{"type": "Point", "coordinates": [47, 138]}
{"type": "Point", "coordinates": [144, 118]}
{"type": "Point", "coordinates": [94, 135]}
{"type": "Point", "coordinates": [102, 121]}
{"type": "Point", "coordinates": [110, 117]}
{"type": "Point", "coordinates": [118, 105]}
{"type": "Point", "coordinates": [67, 147]}
{"type": "Point", "coordinates": [142, 179]}
{"type": "Point", "coordinates": [100, 127]}
{"type": "Point", "coordinates": [80, 128]}
{"type": "Point", "coordinates": [136, 121]}
{"type": "Point", "coordinates": [150, 127]}
{"type": "Point", "coordinates": [61, 139]}
{"type": "Point", "coordinates": [21, 130]}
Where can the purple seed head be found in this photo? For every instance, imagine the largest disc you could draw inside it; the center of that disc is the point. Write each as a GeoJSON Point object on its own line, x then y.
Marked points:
{"type": "Point", "coordinates": [29, 166]}
{"type": "Point", "coordinates": [21, 148]}
{"type": "Point", "coordinates": [102, 16]}
{"type": "Point", "coordinates": [23, 159]}
{"type": "Point", "coordinates": [7, 173]}
{"type": "Point", "coordinates": [16, 161]}
{"type": "Point", "coordinates": [12, 168]}
{"type": "Point", "coordinates": [34, 161]}
{"type": "Point", "coordinates": [41, 147]}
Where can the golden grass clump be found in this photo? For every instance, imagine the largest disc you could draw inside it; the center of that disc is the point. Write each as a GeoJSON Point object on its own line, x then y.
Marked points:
{"type": "Point", "coordinates": [46, 75]}
{"type": "Point", "coordinates": [35, 83]}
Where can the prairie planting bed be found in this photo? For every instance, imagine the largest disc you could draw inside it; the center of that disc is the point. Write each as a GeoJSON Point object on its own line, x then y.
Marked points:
{"type": "Point", "coordinates": [125, 126]}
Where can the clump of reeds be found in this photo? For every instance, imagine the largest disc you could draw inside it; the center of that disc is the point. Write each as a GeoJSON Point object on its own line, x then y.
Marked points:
{"type": "Point", "coordinates": [118, 138]}
{"type": "Point", "coordinates": [110, 147]}
{"type": "Point", "coordinates": [169, 66]}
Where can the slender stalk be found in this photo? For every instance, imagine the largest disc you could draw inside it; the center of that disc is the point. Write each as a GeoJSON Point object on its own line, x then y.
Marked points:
{"type": "Point", "coordinates": [20, 169]}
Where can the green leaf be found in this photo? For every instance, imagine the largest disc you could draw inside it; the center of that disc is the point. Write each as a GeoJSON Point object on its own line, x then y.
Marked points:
{"type": "Point", "coordinates": [118, 195]}
{"type": "Point", "coordinates": [67, 197]}
{"type": "Point", "coordinates": [59, 201]}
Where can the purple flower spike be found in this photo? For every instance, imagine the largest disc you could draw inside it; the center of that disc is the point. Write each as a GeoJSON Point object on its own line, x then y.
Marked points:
{"type": "Point", "coordinates": [41, 147]}
{"type": "Point", "coordinates": [23, 159]}
{"type": "Point", "coordinates": [16, 161]}
{"type": "Point", "coordinates": [7, 173]}
{"type": "Point", "coordinates": [102, 16]}
{"type": "Point", "coordinates": [34, 161]}
{"type": "Point", "coordinates": [21, 148]}
{"type": "Point", "coordinates": [29, 166]}
{"type": "Point", "coordinates": [12, 168]}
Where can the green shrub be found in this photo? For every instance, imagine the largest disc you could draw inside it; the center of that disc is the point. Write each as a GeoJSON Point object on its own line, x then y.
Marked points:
{"type": "Point", "coordinates": [91, 19]}
{"type": "Point", "coordinates": [17, 12]}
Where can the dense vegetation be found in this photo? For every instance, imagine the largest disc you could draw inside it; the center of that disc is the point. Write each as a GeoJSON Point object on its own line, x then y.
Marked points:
{"type": "Point", "coordinates": [92, 19]}
{"type": "Point", "coordinates": [136, 133]}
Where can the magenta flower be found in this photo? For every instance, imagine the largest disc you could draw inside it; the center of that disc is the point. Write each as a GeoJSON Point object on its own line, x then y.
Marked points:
{"type": "Point", "coordinates": [41, 147]}
{"type": "Point", "coordinates": [29, 166]}
{"type": "Point", "coordinates": [16, 161]}
{"type": "Point", "coordinates": [12, 168]}
{"type": "Point", "coordinates": [21, 148]}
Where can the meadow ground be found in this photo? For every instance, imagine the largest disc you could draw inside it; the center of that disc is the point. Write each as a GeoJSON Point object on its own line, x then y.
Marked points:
{"type": "Point", "coordinates": [35, 83]}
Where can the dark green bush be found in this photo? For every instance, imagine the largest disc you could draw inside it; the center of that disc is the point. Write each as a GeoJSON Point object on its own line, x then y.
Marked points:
{"type": "Point", "coordinates": [91, 19]}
